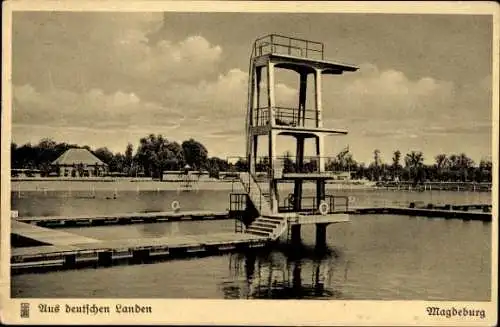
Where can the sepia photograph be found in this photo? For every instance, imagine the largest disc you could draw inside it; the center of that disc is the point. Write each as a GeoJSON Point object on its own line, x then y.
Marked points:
{"type": "Point", "coordinates": [261, 156]}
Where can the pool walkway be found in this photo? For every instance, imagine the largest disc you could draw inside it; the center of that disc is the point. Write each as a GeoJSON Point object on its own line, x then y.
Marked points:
{"type": "Point", "coordinates": [62, 249]}
{"type": "Point", "coordinates": [463, 214]}
{"type": "Point", "coordinates": [47, 236]}
{"type": "Point", "coordinates": [124, 218]}
{"type": "Point", "coordinates": [47, 247]}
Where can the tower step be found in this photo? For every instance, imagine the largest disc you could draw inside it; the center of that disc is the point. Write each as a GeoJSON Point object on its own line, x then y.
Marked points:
{"type": "Point", "coordinates": [264, 224]}
{"type": "Point", "coordinates": [275, 220]}
{"type": "Point", "coordinates": [260, 228]}
{"type": "Point", "coordinates": [254, 232]}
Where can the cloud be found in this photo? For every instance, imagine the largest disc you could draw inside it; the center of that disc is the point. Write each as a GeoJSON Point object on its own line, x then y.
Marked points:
{"type": "Point", "coordinates": [59, 107]}
{"type": "Point", "coordinates": [462, 128]}
{"type": "Point", "coordinates": [110, 73]}
{"type": "Point", "coordinates": [191, 59]}
{"type": "Point", "coordinates": [107, 51]}
{"type": "Point", "coordinates": [387, 94]}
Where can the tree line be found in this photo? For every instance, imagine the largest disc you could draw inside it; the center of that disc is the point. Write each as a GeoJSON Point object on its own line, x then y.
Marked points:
{"type": "Point", "coordinates": [155, 154]}
{"type": "Point", "coordinates": [411, 167]}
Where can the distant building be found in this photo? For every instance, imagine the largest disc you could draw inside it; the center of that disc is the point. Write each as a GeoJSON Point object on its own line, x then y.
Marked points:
{"type": "Point", "coordinates": [344, 176]}
{"type": "Point", "coordinates": [79, 163]}
{"type": "Point", "coordinates": [14, 172]}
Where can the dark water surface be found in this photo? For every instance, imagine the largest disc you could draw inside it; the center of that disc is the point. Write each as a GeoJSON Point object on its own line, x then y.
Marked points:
{"type": "Point", "coordinates": [372, 257]}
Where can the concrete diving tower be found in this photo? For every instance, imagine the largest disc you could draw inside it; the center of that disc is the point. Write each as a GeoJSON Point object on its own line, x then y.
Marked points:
{"type": "Point", "coordinates": [267, 120]}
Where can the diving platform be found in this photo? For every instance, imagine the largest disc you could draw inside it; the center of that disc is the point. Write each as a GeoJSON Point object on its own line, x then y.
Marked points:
{"type": "Point", "coordinates": [296, 54]}
{"type": "Point", "coordinates": [259, 208]}
{"type": "Point", "coordinates": [309, 176]}
{"type": "Point", "coordinates": [297, 63]}
{"type": "Point", "coordinates": [289, 128]}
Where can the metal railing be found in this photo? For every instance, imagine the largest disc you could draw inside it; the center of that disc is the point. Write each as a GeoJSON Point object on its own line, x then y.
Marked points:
{"type": "Point", "coordinates": [289, 164]}
{"type": "Point", "coordinates": [250, 184]}
{"type": "Point", "coordinates": [239, 227]}
{"type": "Point", "coordinates": [237, 202]}
{"type": "Point", "coordinates": [280, 44]}
{"type": "Point", "coordinates": [336, 203]}
{"type": "Point", "coordinates": [285, 116]}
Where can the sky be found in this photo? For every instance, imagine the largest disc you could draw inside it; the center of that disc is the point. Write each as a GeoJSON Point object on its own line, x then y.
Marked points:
{"type": "Point", "coordinates": [109, 78]}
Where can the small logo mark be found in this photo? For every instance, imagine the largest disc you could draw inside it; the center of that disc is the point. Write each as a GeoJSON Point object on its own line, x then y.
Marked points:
{"type": "Point", "coordinates": [25, 310]}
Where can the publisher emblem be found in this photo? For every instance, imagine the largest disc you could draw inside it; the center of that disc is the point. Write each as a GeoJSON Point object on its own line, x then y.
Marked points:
{"type": "Point", "coordinates": [25, 310]}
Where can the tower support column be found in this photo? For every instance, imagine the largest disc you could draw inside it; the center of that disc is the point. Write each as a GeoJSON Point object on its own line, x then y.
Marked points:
{"type": "Point", "coordinates": [320, 191]}
{"type": "Point", "coordinates": [317, 93]}
{"type": "Point", "coordinates": [299, 163]}
{"type": "Point", "coordinates": [301, 115]}
{"type": "Point", "coordinates": [297, 278]}
{"type": "Point", "coordinates": [320, 150]}
{"type": "Point", "coordinates": [273, 185]}
{"type": "Point", "coordinates": [253, 154]}
{"type": "Point", "coordinates": [321, 236]}
{"type": "Point", "coordinates": [295, 234]}
{"type": "Point", "coordinates": [270, 93]}
{"type": "Point", "coordinates": [297, 195]}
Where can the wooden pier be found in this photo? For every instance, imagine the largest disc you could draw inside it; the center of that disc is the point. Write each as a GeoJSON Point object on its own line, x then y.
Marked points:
{"type": "Point", "coordinates": [424, 212]}
{"type": "Point", "coordinates": [32, 234]}
{"type": "Point", "coordinates": [66, 250]}
{"type": "Point", "coordinates": [123, 218]}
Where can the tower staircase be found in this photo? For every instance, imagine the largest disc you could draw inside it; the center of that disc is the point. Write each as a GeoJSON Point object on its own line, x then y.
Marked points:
{"type": "Point", "coordinates": [268, 224]}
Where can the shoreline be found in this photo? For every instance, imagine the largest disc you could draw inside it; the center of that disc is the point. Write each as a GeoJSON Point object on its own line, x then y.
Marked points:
{"type": "Point", "coordinates": [142, 184]}
{"type": "Point", "coordinates": [149, 185]}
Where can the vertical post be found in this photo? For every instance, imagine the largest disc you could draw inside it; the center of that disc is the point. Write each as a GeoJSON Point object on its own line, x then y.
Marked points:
{"type": "Point", "coordinates": [302, 99]}
{"type": "Point", "coordinates": [270, 92]}
{"type": "Point", "coordinates": [317, 93]}
{"type": "Point", "coordinates": [253, 155]}
{"type": "Point", "coordinates": [250, 266]}
{"type": "Point", "coordinates": [272, 167]}
{"type": "Point", "coordinates": [320, 146]}
{"type": "Point", "coordinates": [299, 159]}
{"type": "Point", "coordinates": [320, 192]}
{"type": "Point", "coordinates": [258, 76]}
{"type": "Point", "coordinates": [296, 279]}
{"type": "Point", "coordinates": [295, 234]}
{"type": "Point", "coordinates": [321, 236]}
{"type": "Point", "coordinates": [299, 162]}
{"type": "Point", "coordinates": [250, 104]}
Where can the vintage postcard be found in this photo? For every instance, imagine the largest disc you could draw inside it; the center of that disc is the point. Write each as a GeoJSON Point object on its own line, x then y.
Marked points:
{"type": "Point", "coordinates": [249, 163]}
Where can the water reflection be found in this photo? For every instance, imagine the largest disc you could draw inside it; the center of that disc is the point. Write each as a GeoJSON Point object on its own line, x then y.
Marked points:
{"type": "Point", "coordinates": [295, 272]}
{"type": "Point", "coordinates": [156, 230]}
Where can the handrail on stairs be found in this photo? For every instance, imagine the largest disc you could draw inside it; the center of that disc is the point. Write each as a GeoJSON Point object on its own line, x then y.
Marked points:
{"type": "Point", "coordinates": [251, 179]}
